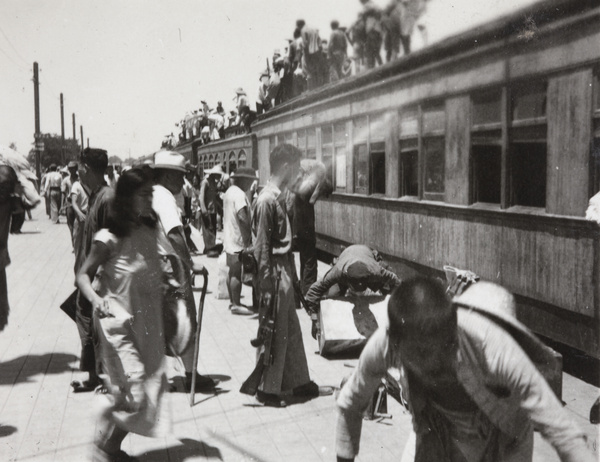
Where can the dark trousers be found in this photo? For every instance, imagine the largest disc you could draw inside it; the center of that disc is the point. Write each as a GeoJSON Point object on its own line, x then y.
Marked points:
{"type": "Point", "coordinates": [17, 221]}
{"type": "Point", "coordinates": [70, 213]}
{"type": "Point", "coordinates": [89, 361]}
{"type": "Point", "coordinates": [308, 264]}
{"type": "Point", "coordinates": [209, 231]}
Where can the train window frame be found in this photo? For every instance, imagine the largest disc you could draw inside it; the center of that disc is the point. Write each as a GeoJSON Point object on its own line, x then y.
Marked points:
{"type": "Point", "coordinates": [328, 145]}
{"type": "Point", "coordinates": [432, 130]}
{"type": "Point", "coordinates": [311, 143]}
{"type": "Point", "coordinates": [340, 152]}
{"type": "Point", "coordinates": [595, 142]}
{"type": "Point", "coordinates": [373, 162]}
{"type": "Point", "coordinates": [408, 145]}
{"type": "Point", "coordinates": [301, 141]}
{"type": "Point", "coordinates": [232, 156]}
{"type": "Point", "coordinates": [486, 143]}
{"type": "Point", "coordinates": [242, 158]}
{"type": "Point", "coordinates": [527, 136]}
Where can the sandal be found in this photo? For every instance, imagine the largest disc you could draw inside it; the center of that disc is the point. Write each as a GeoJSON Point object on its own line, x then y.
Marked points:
{"type": "Point", "coordinates": [82, 387]}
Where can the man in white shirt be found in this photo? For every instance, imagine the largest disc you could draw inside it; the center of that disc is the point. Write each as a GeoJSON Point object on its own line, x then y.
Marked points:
{"type": "Point", "coordinates": [237, 232]}
{"type": "Point", "coordinates": [170, 169]}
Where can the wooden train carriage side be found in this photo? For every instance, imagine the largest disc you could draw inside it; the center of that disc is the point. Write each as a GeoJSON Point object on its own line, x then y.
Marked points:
{"type": "Point", "coordinates": [230, 153]}
{"type": "Point", "coordinates": [480, 152]}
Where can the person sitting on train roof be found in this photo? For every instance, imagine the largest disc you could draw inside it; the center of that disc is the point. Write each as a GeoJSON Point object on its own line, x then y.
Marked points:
{"type": "Point", "coordinates": [470, 373]}
{"type": "Point", "coordinates": [358, 268]}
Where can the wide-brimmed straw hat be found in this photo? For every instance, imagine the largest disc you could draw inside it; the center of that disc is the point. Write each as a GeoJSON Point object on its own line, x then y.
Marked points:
{"type": "Point", "coordinates": [498, 304]}
{"type": "Point", "coordinates": [216, 170]}
{"type": "Point", "coordinates": [244, 172]}
{"type": "Point", "coordinates": [169, 160]}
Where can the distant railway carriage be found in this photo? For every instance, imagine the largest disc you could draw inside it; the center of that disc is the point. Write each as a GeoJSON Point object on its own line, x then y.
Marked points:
{"type": "Point", "coordinates": [480, 152]}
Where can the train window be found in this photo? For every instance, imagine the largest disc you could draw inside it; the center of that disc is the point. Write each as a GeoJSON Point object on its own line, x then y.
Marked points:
{"type": "Point", "coordinates": [528, 145]}
{"type": "Point", "coordinates": [486, 172]}
{"type": "Point", "coordinates": [311, 143]}
{"type": "Point", "coordinates": [434, 155]}
{"type": "Point", "coordinates": [529, 101]}
{"type": "Point", "coordinates": [327, 150]}
{"type": "Point", "coordinates": [340, 142]}
{"type": "Point", "coordinates": [361, 169]}
{"type": "Point", "coordinates": [242, 159]}
{"type": "Point", "coordinates": [409, 165]}
{"type": "Point", "coordinates": [409, 123]}
{"type": "Point", "coordinates": [377, 160]}
{"type": "Point", "coordinates": [302, 141]}
{"type": "Point", "coordinates": [211, 161]}
{"type": "Point", "coordinates": [231, 167]}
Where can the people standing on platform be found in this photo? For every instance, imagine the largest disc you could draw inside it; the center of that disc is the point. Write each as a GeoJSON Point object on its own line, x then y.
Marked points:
{"type": "Point", "coordinates": [237, 233]}
{"type": "Point", "coordinates": [111, 176]}
{"type": "Point", "coordinates": [79, 205]}
{"type": "Point", "coordinates": [208, 208]}
{"type": "Point", "coordinates": [127, 301]}
{"type": "Point", "coordinates": [169, 169]}
{"type": "Point", "coordinates": [8, 189]}
{"type": "Point", "coordinates": [357, 268]}
{"type": "Point", "coordinates": [92, 165]}
{"type": "Point", "coordinates": [467, 371]}
{"type": "Point", "coordinates": [66, 187]}
{"type": "Point", "coordinates": [288, 374]}
{"type": "Point", "coordinates": [53, 182]}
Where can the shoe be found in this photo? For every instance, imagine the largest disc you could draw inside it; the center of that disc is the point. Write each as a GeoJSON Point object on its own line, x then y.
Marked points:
{"type": "Point", "coordinates": [312, 390]}
{"type": "Point", "coordinates": [100, 455]}
{"type": "Point", "coordinates": [241, 310]}
{"type": "Point", "coordinates": [85, 386]}
{"type": "Point", "coordinates": [270, 400]}
{"type": "Point", "coordinates": [203, 382]}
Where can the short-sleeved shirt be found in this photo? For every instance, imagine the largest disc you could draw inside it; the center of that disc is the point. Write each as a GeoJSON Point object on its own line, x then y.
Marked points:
{"type": "Point", "coordinates": [234, 200]}
{"type": "Point", "coordinates": [79, 196]}
{"type": "Point", "coordinates": [65, 187]}
{"type": "Point", "coordinates": [165, 207]}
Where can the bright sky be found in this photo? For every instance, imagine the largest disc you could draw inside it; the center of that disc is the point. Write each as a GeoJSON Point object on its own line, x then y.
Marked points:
{"type": "Point", "coordinates": [130, 69]}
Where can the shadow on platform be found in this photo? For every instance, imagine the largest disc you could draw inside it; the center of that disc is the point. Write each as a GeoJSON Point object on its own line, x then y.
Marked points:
{"type": "Point", "coordinates": [19, 370]}
{"type": "Point", "coordinates": [188, 449]}
{"type": "Point", "coordinates": [7, 430]}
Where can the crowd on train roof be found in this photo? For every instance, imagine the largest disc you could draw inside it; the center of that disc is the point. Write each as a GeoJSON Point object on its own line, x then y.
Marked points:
{"type": "Point", "coordinates": [309, 62]}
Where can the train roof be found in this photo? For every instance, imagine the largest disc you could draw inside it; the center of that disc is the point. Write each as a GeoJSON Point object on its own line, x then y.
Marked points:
{"type": "Point", "coordinates": [512, 26]}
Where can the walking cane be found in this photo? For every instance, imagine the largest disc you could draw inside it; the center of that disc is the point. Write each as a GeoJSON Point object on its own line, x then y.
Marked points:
{"type": "Point", "coordinates": [197, 338]}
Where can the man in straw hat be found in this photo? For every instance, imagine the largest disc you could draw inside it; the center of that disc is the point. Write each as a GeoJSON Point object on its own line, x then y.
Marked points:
{"type": "Point", "coordinates": [169, 170]}
{"type": "Point", "coordinates": [470, 370]}
{"type": "Point", "coordinates": [237, 232]}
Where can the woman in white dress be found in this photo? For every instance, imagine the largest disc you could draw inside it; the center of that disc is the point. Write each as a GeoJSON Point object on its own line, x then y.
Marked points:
{"type": "Point", "coordinates": [123, 280]}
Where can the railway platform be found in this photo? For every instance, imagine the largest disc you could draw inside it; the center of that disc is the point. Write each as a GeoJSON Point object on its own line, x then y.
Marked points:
{"type": "Point", "coordinates": [41, 419]}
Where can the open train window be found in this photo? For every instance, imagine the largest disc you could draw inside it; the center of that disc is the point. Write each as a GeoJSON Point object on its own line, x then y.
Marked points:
{"type": "Point", "coordinates": [302, 141]}
{"type": "Point", "coordinates": [311, 143]}
{"type": "Point", "coordinates": [409, 165]}
{"type": "Point", "coordinates": [327, 150]}
{"type": "Point", "coordinates": [528, 145]}
{"type": "Point", "coordinates": [242, 159]}
{"type": "Point", "coordinates": [377, 168]}
{"type": "Point", "coordinates": [486, 147]}
{"type": "Point", "coordinates": [232, 166]}
{"type": "Point", "coordinates": [341, 147]}
{"type": "Point", "coordinates": [361, 169]}
{"type": "Point", "coordinates": [434, 153]}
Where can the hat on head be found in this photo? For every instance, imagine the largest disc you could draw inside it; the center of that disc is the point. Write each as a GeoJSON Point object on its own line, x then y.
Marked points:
{"type": "Point", "coordinates": [64, 170]}
{"type": "Point", "coordinates": [240, 91]}
{"type": "Point", "coordinates": [216, 170]}
{"type": "Point", "coordinates": [203, 102]}
{"type": "Point", "coordinates": [72, 164]}
{"type": "Point", "coordinates": [498, 304]}
{"type": "Point", "coordinates": [264, 73]}
{"type": "Point", "coordinates": [244, 172]}
{"type": "Point", "coordinates": [169, 160]}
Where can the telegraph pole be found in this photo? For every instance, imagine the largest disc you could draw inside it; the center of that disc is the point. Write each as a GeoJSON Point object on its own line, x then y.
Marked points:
{"type": "Point", "coordinates": [62, 130]}
{"type": "Point", "coordinates": [74, 129]}
{"type": "Point", "coordinates": [38, 142]}
{"type": "Point", "coordinates": [81, 133]}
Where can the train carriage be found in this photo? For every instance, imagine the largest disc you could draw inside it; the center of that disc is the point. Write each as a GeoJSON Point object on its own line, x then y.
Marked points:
{"type": "Point", "coordinates": [479, 152]}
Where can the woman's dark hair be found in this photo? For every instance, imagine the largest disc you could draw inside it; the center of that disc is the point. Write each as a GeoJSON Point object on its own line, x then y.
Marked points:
{"type": "Point", "coordinates": [122, 218]}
